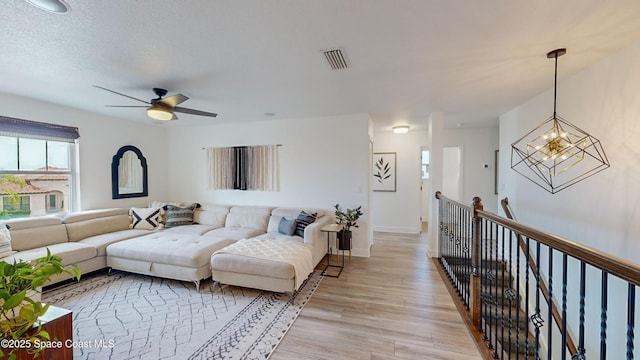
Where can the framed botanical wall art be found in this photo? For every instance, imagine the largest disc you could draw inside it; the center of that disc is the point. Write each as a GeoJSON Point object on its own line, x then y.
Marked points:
{"type": "Point", "coordinates": [384, 172]}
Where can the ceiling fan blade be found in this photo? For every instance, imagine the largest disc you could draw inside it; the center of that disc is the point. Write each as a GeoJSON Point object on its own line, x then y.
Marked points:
{"type": "Point", "coordinates": [121, 94]}
{"type": "Point", "coordinates": [174, 100]}
{"type": "Point", "coordinates": [128, 106]}
{"type": "Point", "coordinates": [193, 112]}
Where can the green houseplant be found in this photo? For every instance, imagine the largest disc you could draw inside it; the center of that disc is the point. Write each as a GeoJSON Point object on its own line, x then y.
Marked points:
{"type": "Point", "coordinates": [347, 218]}
{"type": "Point", "coordinates": [20, 282]}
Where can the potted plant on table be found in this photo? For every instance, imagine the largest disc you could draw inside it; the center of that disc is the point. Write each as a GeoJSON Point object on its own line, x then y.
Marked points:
{"type": "Point", "coordinates": [347, 219]}
{"type": "Point", "coordinates": [20, 306]}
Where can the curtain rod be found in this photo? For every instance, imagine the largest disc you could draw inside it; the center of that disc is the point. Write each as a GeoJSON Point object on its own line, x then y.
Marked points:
{"type": "Point", "coordinates": [204, 148]}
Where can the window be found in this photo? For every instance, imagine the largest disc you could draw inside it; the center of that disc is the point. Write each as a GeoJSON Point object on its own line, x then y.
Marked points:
{"type": "Point", "coordinates": [52, 203]}
{"type": "Point", "coordinates": [19, 203]}
{"type": "Point", "coordinates": [425, 164]}
{"type": "Point", "coordinates": [37, 173]}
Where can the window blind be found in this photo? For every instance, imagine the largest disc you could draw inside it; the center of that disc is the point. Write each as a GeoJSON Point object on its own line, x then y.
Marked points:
{"type": "Point", "coordinates": [37, 130]}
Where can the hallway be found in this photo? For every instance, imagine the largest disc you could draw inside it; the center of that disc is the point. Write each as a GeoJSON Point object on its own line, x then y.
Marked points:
{"type": "Point", "coordinates": [392, 305]}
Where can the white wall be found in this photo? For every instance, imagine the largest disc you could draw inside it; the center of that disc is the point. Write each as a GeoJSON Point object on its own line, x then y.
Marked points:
{"type": "Point", "coordinates": [400, 211]}
{"type": "Point", "coordinates": [323, 162]}
{"type": "Point", "coordinates": [100, 139]}
{"type": "Point", "coordinates": [602, 211]}
{"type": "Point", "coordinates": [478, 149]}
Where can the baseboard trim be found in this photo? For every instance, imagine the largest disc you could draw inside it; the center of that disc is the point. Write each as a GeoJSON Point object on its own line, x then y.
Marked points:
{"type": "Point", "coordinates": [394, 229]}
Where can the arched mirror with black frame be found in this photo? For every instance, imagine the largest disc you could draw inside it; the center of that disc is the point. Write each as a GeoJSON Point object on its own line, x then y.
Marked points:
{"type": "Point", "coordinates": [129, 173]}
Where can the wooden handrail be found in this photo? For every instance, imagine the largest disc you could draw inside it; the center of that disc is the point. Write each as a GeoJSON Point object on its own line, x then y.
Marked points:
{"type": "Point", "coordinates": [613, 265]}
{"type": "Point", "coordinates": [543, 286]}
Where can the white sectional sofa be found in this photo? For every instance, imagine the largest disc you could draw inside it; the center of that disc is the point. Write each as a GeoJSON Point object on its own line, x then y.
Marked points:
{"type": "Point", "coordinates": [80, 238]}
{"type": "Point", "coordinates": [101, 239]}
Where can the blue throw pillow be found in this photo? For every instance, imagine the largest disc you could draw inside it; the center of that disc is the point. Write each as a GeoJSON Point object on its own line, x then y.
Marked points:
{"type": "Point", "coordinates": [287, 227]}
{"type": "Point", "coordinates": [303, 220]}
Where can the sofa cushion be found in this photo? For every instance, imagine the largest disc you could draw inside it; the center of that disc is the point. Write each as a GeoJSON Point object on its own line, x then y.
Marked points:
{"type": "Point", "coordinates": [93, 214]}
{"type": "Point", "coordinates": [100, 242]}
{"type": "Point", "coordinates": [210, 214]}
{"type": "Point", "coordinates": [70, 252]}
{"type": "Point", "coordinates": [5, 241]}
{"type": "Point", "coordinates": [303, 220]}
{"type": "Point", "coordinates": [80, 230]}
{"type": "Point", "coordinates": [179, 215]}
{"type": "Point", "coordinates": [287, 227]}
{"type": "Point", "coordinates": [166, 248]}
{"type": "Point", "coordinates": [247, 220]}
{"type": "Point", "coordinates": [33, 222]}
{"type": "Point", "coordinates": [145, 218]}
{"type": "Point", "coordinates": [35, 232]}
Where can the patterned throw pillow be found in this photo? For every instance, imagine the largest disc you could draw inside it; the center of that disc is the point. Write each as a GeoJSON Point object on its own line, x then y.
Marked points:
{"type": "Point", "coordinates": [145, 218]}
{"type": "Point", "coordinates": [303, 220]}
{"type": "Point", "coordinates": [287, 227]}
{"type": "Point", "coordinates": [177, 215]}
{"type": "Point", "coordinates": [5, 241]}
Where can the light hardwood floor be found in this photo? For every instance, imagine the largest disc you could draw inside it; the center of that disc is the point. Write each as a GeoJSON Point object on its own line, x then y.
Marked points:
{"type": "Point", "coordinates": [392, 305]}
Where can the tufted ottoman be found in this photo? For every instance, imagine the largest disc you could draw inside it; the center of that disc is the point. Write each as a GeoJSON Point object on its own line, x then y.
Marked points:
{"type": "Point", "coordinates": [171, 255]}
{"type": "Point", "coordinates": [279, 264]}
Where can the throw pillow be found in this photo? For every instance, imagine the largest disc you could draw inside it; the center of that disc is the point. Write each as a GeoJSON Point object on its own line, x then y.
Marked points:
{"type": "Point", "coordinates": [145, 218]}
{"type": "Point", "coordinates": [287, 227]}
{"type": "Point", "coordinates": [180, 215]}
{"type": "Point", "coordinates": [303, 220]}
{"type": "Point", "coordinates": [5, 241]}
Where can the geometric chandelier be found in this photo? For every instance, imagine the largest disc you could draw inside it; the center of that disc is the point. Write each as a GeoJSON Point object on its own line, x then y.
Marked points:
{"type": "Point", "coordinates": [557, 154]}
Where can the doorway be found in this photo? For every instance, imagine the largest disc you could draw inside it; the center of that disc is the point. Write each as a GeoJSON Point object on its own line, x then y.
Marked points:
{"type": "Point", "coordinates": [424, 189]}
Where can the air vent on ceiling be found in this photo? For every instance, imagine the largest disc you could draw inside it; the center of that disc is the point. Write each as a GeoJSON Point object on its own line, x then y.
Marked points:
{"type": "Point", "coordinates": [336, 59]}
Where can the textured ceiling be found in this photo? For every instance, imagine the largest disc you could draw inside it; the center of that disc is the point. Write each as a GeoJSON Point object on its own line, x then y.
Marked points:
{"type": "Point", "coordinates": [242, 59]}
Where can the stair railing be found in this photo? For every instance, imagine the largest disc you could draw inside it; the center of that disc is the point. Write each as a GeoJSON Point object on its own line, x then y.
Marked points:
{"type": "Point", "coordinates": [543, 286]}
{"type": "Point", "coordinates": [480, 250]}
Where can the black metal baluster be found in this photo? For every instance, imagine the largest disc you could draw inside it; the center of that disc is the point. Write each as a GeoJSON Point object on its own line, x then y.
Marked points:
{"type": "Point", "coordinates": [494, 237]}
{"type": "Point", "coordinates": [456, 255]}
{"type": "Point", "coordinates": [502, 295]}
{"type": "Point", "coordinates": [489, 276]}
{"type": "Point", "coordinates": [526, 299]}
{"type": "Point", "coordinates": [511, 292]}
{"type": "Point", "coordinates": [550, 313]}
{"type": "Point", "coordinates": [631, 315]}
{"type": "Point", "coordinates": [603, 317]}
{"type": "Point", "coordinates": [583, 290]}
{"type": "Point", "coordinates": [483, 286]}
{"type": "Point", "coordinates": [518, 292]}
{"type": "Point", "coordinates": [535, 317]}
{"type": "Point", "coordinates": [564, 307]}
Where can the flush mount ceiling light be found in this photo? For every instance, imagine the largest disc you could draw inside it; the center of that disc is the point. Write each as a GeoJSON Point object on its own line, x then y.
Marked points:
{"type": "Point", "coordinates": [557, 154]}
{"type": "Point", "coordinates": [400, 129]}
{"type": "Point", "coordinates": [54, 6]}
{"type": "Point", "coordinates": [158, 111]}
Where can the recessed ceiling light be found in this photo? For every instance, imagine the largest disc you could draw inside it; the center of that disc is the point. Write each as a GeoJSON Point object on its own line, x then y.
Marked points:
{"type": "Point", "coordinates": [54, 6]}
{"type": "Point", "coordinates": [269, 114]}
{"type": "Point", "coordinates": [400, 129]}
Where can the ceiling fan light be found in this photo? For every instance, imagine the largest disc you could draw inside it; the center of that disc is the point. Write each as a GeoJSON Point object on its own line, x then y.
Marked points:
{"type": "Point", "coordinates": [159, 112]}
{"type": "Point", "coordinates": [54, 6]}
{"type": "Point", "coordinates": [400, 129]}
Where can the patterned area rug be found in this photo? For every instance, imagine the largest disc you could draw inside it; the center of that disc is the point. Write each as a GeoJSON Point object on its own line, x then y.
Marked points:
{"type": "Point", "coordinates": [129, 316]}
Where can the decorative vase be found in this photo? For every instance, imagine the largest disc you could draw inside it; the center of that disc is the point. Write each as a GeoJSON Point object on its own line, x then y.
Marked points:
{"type": "Point", "coordinates": [344, 240]}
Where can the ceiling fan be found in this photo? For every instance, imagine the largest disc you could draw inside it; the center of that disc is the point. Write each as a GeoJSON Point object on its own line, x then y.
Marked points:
{"type": "Point", "coordinates": [162, 108]}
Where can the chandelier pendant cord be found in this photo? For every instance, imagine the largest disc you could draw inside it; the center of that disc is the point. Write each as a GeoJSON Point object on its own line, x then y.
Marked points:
{"type": "Point", "coordinates": [555, 86]}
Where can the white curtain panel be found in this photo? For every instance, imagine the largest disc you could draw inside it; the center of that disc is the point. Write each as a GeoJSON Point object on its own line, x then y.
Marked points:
{"type": "Point", "coordinates": [262, 168]}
